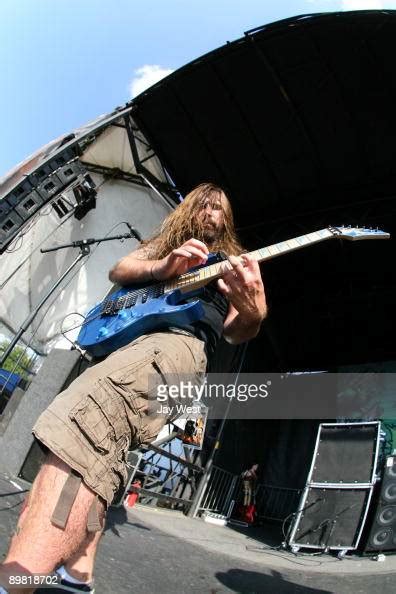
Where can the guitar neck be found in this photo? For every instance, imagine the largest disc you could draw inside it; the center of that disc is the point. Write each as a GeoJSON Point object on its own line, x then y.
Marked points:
{"type": "Point", "coordinates": [205, 275]}
{"type": "Point", "coordinates": [291, 245]}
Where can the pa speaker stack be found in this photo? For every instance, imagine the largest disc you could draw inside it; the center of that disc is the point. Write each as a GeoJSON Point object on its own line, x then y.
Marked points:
{"type": "Point", "coordinates": [29, 195]}
{"type": "Point", "coordinates": [382, 535]}
{"type": "Point", "coordinates": [339, 488]}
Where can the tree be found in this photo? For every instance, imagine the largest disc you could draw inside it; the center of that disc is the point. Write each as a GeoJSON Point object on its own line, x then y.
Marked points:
{"type": "Point", "coordinates": [18, 361]}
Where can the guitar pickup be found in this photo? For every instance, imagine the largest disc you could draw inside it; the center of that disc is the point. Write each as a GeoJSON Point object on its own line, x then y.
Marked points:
{"type": "Point", "coordinates": [131, 301]}
{"type": "Point", "coordinates": [107, 308]}
{"type": "Point", "coordinates": [157, 290]}
{"type": "Point", "coordinates": [120, 303]}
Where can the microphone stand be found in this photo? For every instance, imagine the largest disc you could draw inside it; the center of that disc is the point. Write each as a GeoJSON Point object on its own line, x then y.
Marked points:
{"type": "Point", "coordinates": [85, 250]}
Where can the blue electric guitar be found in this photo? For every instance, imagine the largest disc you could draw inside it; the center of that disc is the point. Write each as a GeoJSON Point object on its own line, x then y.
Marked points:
{"type": "Point", "coordinates": [137, 309]}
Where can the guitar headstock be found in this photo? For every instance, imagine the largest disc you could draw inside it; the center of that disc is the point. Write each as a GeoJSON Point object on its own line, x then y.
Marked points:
{"type": "Point", "coordinates": [356, 233]}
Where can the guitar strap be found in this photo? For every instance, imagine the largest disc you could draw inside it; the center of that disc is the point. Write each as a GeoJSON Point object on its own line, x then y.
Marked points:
{"type": "Point", "coordinates": [65, 503]}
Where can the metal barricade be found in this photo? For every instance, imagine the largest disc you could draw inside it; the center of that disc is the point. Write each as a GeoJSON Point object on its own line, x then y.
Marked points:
{"type": "Point", "coordinates": [224, 492]}
{"type": "Point", "coordinates": [276, 503]}
{"type": "Point", "coordinates": [219, 491]}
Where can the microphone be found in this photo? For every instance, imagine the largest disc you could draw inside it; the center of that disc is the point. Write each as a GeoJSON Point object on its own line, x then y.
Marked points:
{"type": "Point", "coordinates": [134, 232]}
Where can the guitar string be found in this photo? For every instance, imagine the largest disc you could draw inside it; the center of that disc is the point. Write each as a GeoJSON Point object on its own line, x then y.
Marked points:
{"type": "Point", "coordinates": [149, 288]}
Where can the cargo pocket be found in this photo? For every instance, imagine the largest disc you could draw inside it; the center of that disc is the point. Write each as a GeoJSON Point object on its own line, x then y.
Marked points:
{"type": "Point", "coordinates": [125, 375]}
{"type": "Point", "coordinates": [130, 383]}
{"type": "Point", "coordinates": [101, 418]}
{"type": "Point", "coordinates": [152, 428]}
{"type": "Point", "coordinates": [162, 373]}
{"type": "Point", "coordinates": [120, 466]}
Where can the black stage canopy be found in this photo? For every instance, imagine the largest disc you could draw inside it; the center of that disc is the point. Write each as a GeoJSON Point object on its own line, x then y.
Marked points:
{"type": "Point", "coordinates": [297, 121]}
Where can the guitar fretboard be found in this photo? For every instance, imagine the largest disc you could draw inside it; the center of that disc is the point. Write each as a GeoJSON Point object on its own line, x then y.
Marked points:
{"type": "Point", "coordinates": [205, 275]}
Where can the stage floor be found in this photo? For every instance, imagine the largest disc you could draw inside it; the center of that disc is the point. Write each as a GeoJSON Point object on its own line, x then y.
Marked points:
{"type": "Point", "coordinates": [151, 549]}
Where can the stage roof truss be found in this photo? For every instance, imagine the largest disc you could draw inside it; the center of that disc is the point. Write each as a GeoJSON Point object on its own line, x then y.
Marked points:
{"type": "Point", "coordinates": [138, 146]}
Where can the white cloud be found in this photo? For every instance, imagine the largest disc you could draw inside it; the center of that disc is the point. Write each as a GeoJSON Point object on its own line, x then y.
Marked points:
{"type": "Point", "coordinates": [145, 77]}
{"type": "Point", "coordinates": [362, 4]}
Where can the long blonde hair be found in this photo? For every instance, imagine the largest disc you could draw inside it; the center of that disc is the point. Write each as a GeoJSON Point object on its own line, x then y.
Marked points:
{"type": "Point", "coordinates": [182, 224]}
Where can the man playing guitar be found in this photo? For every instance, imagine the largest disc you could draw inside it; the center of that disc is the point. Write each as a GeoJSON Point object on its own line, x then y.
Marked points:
{"type": "Point", "coordinates": [90, 426]}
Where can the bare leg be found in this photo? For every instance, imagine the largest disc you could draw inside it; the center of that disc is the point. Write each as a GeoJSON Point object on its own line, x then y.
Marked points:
{"type": "Point", "coordinates": [22, 515]}
{"type": "Point", "coordinates": [39, 546]}
{"type": "Point", "coordinates": [25, 507]}
{"type": "Point", "coordinates": [81, 564]}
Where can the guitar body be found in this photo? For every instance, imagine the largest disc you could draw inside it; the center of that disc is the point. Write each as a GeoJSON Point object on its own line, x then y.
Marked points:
{"type": "Point", "coordinates": [102, 334]}
{"type": "Point", "coordinates": [135, 310]}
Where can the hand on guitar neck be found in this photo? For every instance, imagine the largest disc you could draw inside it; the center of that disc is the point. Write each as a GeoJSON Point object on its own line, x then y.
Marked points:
{"type": "Point", "coordinates": [243, 286]}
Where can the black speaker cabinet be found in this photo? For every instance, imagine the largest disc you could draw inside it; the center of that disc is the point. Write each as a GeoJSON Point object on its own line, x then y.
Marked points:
{"type": "Point", "coordinates": [5, 208]}
{"type": "Point", "coordinates": [334, 504]}
{"type": "Point", "coordinates": [50, 186]}
{"type": "Point", "coordinates": [382, 535]}
{"type": "Point", "coordinates": [33, 462]}
{"type": "Point", "coordinates": [332, 518]}
{"type": "Point", "coordinates": [9, 225]}
{"type": "Point", "coordinates": [19, 193]}
{"type": "Point", "coordinates": [345, 453]}
{"type": "Point", "coordinates": [29, 205]}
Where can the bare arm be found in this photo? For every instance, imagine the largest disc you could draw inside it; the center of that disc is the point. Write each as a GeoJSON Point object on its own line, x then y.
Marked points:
{"type": "Point", "coordinates": [132, 268]}
{"type": "Point", "coordinates": [244, 288]}
{"type": "Point", "coordinates": [136, 267]}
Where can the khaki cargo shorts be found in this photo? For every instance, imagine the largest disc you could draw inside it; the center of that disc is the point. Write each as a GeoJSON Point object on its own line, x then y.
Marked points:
{"type": "Point", "coordinates": [104, 412]}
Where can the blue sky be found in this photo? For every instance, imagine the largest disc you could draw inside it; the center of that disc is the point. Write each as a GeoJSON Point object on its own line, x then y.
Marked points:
{"type": "Point", "coordinates": [65, 62]}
